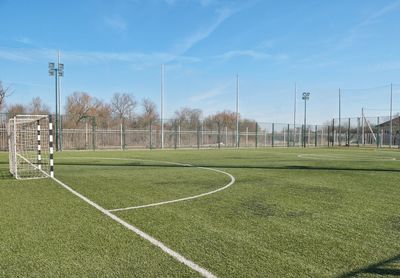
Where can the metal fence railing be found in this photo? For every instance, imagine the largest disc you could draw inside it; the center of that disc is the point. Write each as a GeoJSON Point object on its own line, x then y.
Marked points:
{"type": "Point", "coordinates": [88, 135]}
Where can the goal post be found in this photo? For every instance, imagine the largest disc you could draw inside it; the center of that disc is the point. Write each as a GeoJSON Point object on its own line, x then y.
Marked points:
{"type": "Point", "coordinates": [30, 140]}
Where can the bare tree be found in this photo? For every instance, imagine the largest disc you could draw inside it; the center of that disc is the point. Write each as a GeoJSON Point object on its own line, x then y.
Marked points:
{"type": "Point", "coordinates": [80, 105]}
{"type": "Point", "coordinates": [37, 107]}
{"type": "Point", "coordinates": [226, 118]}
{"type": "Point", "coordinates": [103, 113]}
{"type": "Point", "coordinates": [188, 117]}
{"type": "Point", "coordinates": [4, 92]}
{"type": "Point", "coordinates": [16, 109]}
{"type": "Point", "coordinates": [149, 114]}
{"type": "Point", "coordinates": [123, 106]}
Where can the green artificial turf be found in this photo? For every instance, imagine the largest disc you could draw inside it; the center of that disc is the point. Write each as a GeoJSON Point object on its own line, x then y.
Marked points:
{"type": "Point", "coordinates": [290, 213]}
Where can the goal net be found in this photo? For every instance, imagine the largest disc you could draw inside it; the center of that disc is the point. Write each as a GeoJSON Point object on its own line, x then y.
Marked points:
{"type": "Point", "coordinates": [31, 146]}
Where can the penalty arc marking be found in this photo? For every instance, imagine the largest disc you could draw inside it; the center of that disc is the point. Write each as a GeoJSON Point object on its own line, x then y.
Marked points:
{"type": "Point", "coordinates": [231, 182]}
{"type": "Point", "coordinates": [202, 271]}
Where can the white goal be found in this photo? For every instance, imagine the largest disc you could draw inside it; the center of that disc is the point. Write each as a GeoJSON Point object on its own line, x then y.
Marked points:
{"type": "Point", "coordinates": [31, 146]}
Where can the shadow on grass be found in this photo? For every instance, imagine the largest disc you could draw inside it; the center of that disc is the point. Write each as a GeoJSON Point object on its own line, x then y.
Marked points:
{"type": "Point", "coordinates": [5, 175]}
{"type": "Point", "coordinates": [380, 268]}
{"type": "Point", "coordinates": [288, 167]}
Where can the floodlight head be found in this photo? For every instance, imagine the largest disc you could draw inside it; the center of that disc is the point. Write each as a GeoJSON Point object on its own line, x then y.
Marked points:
{"type": "Point", "coordinates": [51, 69]}
{"type": "Point", "coordinates": [306, 96]}
{"type": "Point", "coordinates": [60, 69]}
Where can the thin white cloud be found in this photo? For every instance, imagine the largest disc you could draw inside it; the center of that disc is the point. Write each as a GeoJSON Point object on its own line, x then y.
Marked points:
{"type": "Point", "coordinates": [384, 66]}
{"type": "Point", "coordinates": [208, 94]}
{"type": "Point", "coordinates": [24, 40]}
{"type": "Point", "coordinates": [203, 3]}
{"type": "Point", "coordinates": [355, 33]}
{"type": "Point", "coordinates": [382, 12]}
{"type": "Point", "coordinates": [250, 53]}
{"type": "Point", "coordinates": [256, 55]}
{"type": "Point", "coordinates": [190, 41]}
{"type": "Point", "coordinates": [16, 56]}
{"type": "Point", "coordinates": [137, 59]}
{"type": "Point", "coordinates": [117, 23]}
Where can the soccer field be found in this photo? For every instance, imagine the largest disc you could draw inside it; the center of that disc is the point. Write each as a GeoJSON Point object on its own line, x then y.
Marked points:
{"type": "Point", "coordinates": [234, 213]}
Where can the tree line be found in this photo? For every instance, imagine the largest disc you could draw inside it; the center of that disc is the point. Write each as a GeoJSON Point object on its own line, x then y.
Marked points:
{"type": "Point", "coordinates": [123, 108]}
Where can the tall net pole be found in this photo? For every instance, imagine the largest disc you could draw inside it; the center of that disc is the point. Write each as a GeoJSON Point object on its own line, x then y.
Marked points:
{"type": "Point", "coordinates": [294, 114]}
{"type": "Point", "coordinates": [340, 121]}
{"type": "Point", "coordinates": [162, 107]}
{"type": "Point", "coordinates": [391, 116]}
{"type": "Point", "coordinates": [237, 111]}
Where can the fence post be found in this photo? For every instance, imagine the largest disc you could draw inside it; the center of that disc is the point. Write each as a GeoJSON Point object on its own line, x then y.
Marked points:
{"type": "Point", "coordinates": [198, 136]}
{"type": "Point", "coordinates": [358, 131]}
{"type": "Point", "coordinates": [273, 135]}
{"type": "Point", "coordinates": [179, 136]}
{"type": "Point", "coordinates": [94, 133]}
{"type": "Point", "coordinates": [202, 134]}
{"type": "Point", "coordinates": [120, 135]}
{"type": "Point", "coordinates": [256, 141]}
{"type": "Point", "coordinates": [284, 136]}
{"type": "Point", "coordinates": [86, 135]}
{"type": "Point", "coordinates": [322, 136]}
{"type": "Point", "coordinates": [378, 134]}
{"type": "Point", "coordinates": [175, 135]}
{"type": "Point", "coordinates": [123, 136]}
{"type": "Point", "coordinates": [348, 134]}
{"type": "Point", "coordinates": [151, 139]}
{"type": "Point", "coordinates": [329, 135]}
{"type": "Point", "coordinates": [238, 143]}
{"type": "Point", "coordinates": [316, 135]}
{"type": "Point", "coordinates": [219, 135]}
{"type": "Point", "coordinates": [226, 136]}
{"type": "Point", "coordinates": [333, 132]}
{"type": "Point", "coordinates": [288, 137]}
{"type": "Point", "coordinates": [247, 136]}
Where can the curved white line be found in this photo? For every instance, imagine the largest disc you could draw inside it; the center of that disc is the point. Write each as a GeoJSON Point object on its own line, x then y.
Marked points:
{"type": "Point", "coordinates": [232, 181]}
{"type": "Point", "coordinates": [186, 198]}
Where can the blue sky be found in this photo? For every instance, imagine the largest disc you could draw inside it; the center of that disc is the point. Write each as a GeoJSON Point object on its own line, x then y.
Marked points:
{"type": "Point", "coordinates": [118, 46]}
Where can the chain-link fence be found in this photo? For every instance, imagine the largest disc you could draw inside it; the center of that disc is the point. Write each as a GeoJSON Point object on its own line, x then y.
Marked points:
{"type": "Point", "coordinates": [367, 131]}
{"type": "Point", "coordinates": [88, 134]}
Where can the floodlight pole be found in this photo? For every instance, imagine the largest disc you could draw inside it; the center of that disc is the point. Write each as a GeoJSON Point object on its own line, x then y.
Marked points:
{"type": "Point", "coordinates": [294, 114]}
{"type": "Point", "coordinates": [56, 116]}
{"type": "Point", "coordinates": [391, 116]}
{"type": "Point", "coordinates": [306, 96]}
{"type": "Point", "coordinates": [340, 120]}
{"type": "Point", "coordinates": [162, 106]}
{"type": "Point", "coordinates": [59, 108]}
{"type": "Point", "coordinates": [57, 72]}
{"type": "Point", "coordinates": [237, 111]}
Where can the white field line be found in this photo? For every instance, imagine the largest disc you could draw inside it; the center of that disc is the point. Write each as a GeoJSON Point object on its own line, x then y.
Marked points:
{"type": "Point", "coordinates": [202, 271]}
{"type": "Point", "coordinates": [186, 198]}
{"type": "Point", "coordinates": [232, 181]}
{"type": "Point", "coordinates": [345, 157]}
